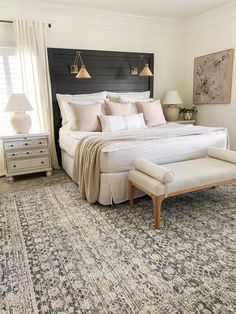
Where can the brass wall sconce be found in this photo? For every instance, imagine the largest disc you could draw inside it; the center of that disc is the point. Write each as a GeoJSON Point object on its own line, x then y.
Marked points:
{"type": "Point", "coordinates": [145, 71]}
{"type": "Point", "coordinates": [82, 73]}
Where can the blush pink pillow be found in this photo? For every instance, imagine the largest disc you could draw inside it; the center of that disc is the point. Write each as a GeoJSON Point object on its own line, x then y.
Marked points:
{"type": "Point", "coordinates": [152, 112]}
{"type": "Point", "coordinates": [118, 109]}
{"type": "Point", "coordinates": [85, 117]}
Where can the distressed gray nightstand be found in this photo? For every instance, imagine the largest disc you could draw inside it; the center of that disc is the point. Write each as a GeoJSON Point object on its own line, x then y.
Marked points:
{"type": "Point", "coordinates": [26, 153]}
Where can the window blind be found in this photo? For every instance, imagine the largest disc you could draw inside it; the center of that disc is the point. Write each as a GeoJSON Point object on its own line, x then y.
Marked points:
{"type": "Point", "coordinates": [10, 82]}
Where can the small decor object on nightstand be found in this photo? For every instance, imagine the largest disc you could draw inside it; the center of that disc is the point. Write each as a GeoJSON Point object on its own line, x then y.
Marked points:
{"type": "Point", "coordinates": [172, 100]}
{"type": "Point", "coordinates": [26, 153]}
{"type": "Point", "coordinates": [188, 113]}
{"type": "Point", "coordinates": [21, 121]}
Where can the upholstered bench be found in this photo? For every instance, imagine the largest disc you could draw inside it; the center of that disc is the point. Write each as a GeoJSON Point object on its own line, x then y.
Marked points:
{"type": "Point", "coordinates": [159, 182]}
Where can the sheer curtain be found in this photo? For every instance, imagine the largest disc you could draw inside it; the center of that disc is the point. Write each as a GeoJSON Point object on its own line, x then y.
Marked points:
{"type": "Point", "coordinates": [10, 82]}
{"type": "Point", "coordinates": [31, 39]}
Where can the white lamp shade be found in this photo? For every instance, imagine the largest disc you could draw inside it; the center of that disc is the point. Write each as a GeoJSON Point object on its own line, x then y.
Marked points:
{"type": "Point", "coordinates": [172, 97]}
{"type": "Point", "coordinates": [18, 103]}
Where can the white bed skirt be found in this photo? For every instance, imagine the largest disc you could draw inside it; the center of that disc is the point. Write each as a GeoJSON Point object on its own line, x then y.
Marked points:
{"type": "Point", "coordinates": [113, 186]}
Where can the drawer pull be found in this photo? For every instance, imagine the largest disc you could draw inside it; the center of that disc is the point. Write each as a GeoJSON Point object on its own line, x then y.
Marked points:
{"type": "Point", "coordinates": [40, 142]}
{"type": "Point", "coordinates": [27, 153]}
{"type": "Point", "coordinates": [12, 145]}
{"type": "Point", "coordinates": [41, 151]}
{"type": "Point", "coordinates": [13, 154]}
{"type": "Point", "coordinates": [14, 166]}
{"type": "Point", "coordinates": [42, 162]}
{"type": "Point", "coordinates": [26, 144]}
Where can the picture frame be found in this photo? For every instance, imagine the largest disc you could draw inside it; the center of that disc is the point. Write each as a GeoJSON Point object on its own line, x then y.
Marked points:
{"type": "Point", "coordinates": [212, 81]}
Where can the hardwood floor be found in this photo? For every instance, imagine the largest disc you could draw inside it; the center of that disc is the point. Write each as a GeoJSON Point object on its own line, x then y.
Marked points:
{"type": "Point", "coordinates": [32, 180]}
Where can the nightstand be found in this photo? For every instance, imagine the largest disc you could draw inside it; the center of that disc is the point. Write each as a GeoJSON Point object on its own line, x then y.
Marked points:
{"type": "Point", "coordinates": [184, 121]}
{"type": "Point", "coordinates": [26, 153]}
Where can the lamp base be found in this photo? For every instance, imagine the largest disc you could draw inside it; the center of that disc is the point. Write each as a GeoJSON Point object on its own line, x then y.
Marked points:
{"type": "Point", "coordinates": [21, 122]}
{"type": "Point", "coordinates": [171, 113]}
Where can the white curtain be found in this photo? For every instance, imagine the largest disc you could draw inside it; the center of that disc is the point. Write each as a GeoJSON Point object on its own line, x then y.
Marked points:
{"type": "Point", "coordinates": [31, 40]}
{"type": "Point", "coordinates": [10, 82]}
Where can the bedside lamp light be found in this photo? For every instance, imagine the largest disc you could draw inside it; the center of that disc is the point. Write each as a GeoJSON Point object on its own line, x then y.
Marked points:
{"type": "Point", "coordinates": [21, 121]}
{"type": "Point", "coordinates": [172, 99]}
{"type": "Point", "coordinates": [145, 71]}
{"type": "Point", "coordinates": [82, 73]}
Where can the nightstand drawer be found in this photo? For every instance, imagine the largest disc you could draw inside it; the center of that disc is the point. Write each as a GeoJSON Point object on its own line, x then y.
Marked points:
{"type": "Point", "coordinates": [41, 151]}
{"type": "Point", "coordinates": [27, 164]}
{"type": "Point", "coordinates": [12, 154]}
{"type": "Point", "coordinates": [40, 142]}
{"type": "Point", "coordinates": [10, 145]}
{"type": "Point", "coordinates": [25, 143]}
{"type": "Point", "coordinates": [28, 152]}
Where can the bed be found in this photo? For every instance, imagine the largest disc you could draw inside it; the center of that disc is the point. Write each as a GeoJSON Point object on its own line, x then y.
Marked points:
{"type": "Point", "coordinates": [111, 71]}
{"type": "Point", "coordinates": [116, 158]}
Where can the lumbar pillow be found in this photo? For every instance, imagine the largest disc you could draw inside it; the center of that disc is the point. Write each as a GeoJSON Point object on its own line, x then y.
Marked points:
{"type": "Point", "coordinates": [118, 109]}
{"type": "Point", "coordinates": [85, 117]}
{"type": "Point", "coordinates": [117, 123]}
{"type": "Point", "coordinates": [152, 112]}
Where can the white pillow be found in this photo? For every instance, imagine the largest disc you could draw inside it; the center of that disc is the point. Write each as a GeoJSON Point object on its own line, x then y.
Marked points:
{"type": "Point", "coordinates": [133, 99]}
{"type": "Point", "coordinates": [138, 95]}
{"type": "Point", "coordinates": [83, 99]}
{"type": "Point", "coordinates": [117, 123]}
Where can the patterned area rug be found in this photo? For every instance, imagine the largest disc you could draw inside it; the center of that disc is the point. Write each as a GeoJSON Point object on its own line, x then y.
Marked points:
{"type": "Point", "coordinates": [59, 254]}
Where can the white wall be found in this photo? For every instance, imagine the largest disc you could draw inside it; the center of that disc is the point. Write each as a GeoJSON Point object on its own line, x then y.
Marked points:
{"type": "Point", "coordinates": [89, 29]}
{"type": "Point", "coordinates": [175, 44]}
{"type": "Point", "coordinates": [212, 32]}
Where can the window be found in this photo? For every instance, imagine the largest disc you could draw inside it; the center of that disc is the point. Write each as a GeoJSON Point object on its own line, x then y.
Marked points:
{"type": "Point", "coordinates": [10, 82]}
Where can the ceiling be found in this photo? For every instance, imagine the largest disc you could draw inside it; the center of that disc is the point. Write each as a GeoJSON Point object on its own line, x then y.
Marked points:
{"type": "Point", "coordinates": [173, 9]}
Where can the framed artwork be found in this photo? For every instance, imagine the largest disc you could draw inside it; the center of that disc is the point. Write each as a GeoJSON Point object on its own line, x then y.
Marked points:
{"type": "Point", "coordinates": [212, 80]}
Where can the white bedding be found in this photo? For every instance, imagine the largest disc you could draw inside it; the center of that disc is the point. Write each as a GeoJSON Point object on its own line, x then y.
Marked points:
{"type": "Point", "coordinates": [117, 157]}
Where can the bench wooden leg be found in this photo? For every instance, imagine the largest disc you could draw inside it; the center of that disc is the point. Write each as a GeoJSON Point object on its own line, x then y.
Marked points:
{"type": "Point", "coordinates": [131, 195]}
{"type": "Point", "coordinates": [157, 201]}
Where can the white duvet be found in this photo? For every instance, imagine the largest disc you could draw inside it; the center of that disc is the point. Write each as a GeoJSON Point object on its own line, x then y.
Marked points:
{"type": "Point", "coordinates": [118, 157]}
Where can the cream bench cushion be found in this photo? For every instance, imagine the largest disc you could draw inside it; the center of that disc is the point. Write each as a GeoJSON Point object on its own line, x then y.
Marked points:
{"type": "Point", "coordinates": [188, 174]}
{"type": "Point", "coordinates": [180, 177]}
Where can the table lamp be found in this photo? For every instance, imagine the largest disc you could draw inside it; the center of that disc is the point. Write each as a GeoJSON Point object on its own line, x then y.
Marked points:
{"type": "Point", "coordinates": [172, 99]}
{"type": "Point", "coordinates": [21, 121]}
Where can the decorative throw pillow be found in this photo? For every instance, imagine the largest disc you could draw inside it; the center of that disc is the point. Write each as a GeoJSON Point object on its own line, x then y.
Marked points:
{"type": "Point", "coordinates": [152, 112]}
{"type": "Point", "coordinates": [133, 100]}
{"type": "Point", "coordinates": [117, 123]}
{"type": "Point", "coordinates": [83, 99]}
{"type": "Point", "coordinates": [85, 117]}
{"type": "Point", "coordinates": [118, 109]}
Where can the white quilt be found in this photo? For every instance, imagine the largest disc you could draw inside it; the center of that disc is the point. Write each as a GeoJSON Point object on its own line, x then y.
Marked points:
{"type": "Point", "coordinates": [117, 157]}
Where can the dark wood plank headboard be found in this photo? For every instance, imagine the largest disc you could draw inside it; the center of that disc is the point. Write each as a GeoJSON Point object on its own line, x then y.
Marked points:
{"type": "Point", "coordinates": [109, 70]}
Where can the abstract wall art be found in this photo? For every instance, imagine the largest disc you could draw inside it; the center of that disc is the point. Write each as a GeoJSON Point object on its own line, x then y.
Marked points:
{"type": "Point", "coordinates": [213, 78]}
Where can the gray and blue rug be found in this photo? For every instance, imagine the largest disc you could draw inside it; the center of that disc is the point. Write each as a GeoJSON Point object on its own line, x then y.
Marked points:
{"type": "Point", "coordinates": [59, 254]}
